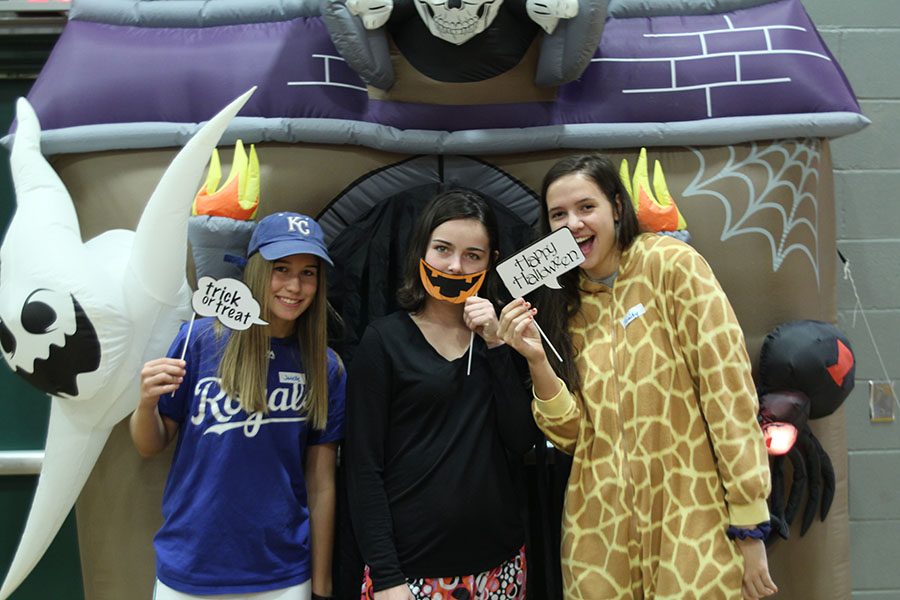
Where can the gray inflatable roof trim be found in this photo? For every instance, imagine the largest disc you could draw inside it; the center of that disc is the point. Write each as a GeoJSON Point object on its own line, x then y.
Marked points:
{"type": "Point", "coordinates": [711, 132]}
{"type": "Point", "coordinates": [367, 52]}
{"type": "Point", "coordinates": [623, 9]}
{"type": "Point", "coordinates": [565, 54]}
{"type": "Point", "coordinates": [190, 13]}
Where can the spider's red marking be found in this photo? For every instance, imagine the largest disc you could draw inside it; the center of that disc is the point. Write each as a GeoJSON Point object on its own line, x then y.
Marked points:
{"type": "Point", "coordinates": [843, 365]}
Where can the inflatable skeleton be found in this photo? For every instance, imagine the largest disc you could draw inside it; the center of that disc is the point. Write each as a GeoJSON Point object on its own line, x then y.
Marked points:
{"type": "Point", "coordinates": [360, 30]}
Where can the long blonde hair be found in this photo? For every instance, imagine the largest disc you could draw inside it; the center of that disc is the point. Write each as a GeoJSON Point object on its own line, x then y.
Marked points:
{"type": "Point", "coordinates": [244, 367]}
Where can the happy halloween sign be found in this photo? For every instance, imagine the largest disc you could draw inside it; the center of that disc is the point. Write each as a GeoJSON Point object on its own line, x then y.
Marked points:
{"type": "Point", "coordinates": [540, 263]}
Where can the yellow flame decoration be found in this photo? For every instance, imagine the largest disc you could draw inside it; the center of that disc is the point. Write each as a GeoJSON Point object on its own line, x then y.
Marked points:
{"type": "Point", "coordinates": [238, 198]}
{"type": "Point", "coordinates": [656, 211]}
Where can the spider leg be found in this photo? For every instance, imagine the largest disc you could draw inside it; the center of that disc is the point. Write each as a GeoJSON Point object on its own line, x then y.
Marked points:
{"type": "Point", "coordinates": [798, 484]}
{"type": "Point", "coordinates": [828, 481]}
{"type": "Point", "coordinates": [776, 500]}
{"type": "Point", "coordinates": [814, 471]}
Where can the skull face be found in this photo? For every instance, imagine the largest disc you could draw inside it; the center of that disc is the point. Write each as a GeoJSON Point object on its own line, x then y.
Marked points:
{"type": "Point", "coordinates": [457, 21]}
{"type": "Point", "coordinates": [49, 341]}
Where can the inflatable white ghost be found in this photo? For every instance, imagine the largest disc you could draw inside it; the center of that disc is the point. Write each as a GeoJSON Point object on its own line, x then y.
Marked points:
{"type": "Point", "coordinates": [77, 320]}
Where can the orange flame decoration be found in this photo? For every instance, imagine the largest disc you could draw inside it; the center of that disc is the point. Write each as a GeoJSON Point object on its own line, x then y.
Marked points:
{"type": "Point", "coordinates": [655, 212]}
{"type": "Point", "coordinates": [238, 198]}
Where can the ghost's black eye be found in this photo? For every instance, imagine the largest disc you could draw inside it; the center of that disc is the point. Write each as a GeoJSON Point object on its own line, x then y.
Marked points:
{"type": "Point", "coordinates": [37, 317]}
{"type": "Point", "coordinates": [7, 339]}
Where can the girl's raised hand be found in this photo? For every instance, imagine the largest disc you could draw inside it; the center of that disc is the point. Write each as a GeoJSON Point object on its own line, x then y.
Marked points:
{"type": "Point", "coordinates": [517, 329]}
{"type": "Point", "coordinates": [160, 376]}
{"type": "Point", "coordinates": [480, 316]}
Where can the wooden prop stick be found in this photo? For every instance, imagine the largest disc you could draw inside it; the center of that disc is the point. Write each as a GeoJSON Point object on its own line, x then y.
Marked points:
{"type": "Point", "coordinates": [546, 339]}
{"type": "Point", "coordinates": [471, 343]}
{"type": "Point", "coordinates": [187, 338]}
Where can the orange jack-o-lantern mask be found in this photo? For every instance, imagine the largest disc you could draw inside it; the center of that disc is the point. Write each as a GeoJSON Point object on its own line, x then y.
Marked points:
{"type": "Point", "coordinates": [450, 288]}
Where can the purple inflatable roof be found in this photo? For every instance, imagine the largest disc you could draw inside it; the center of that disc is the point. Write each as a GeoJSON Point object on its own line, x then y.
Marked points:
{"type": "Point", "coordinates": [767, 60]}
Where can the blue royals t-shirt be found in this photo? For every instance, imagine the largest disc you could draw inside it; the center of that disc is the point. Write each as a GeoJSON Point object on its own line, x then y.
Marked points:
{"type": "Point", "coordinates": [235, 507]}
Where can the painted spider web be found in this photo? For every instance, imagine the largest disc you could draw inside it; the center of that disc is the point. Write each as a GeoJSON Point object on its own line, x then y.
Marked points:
{"type": "Point", "coordinates": [779, 178]}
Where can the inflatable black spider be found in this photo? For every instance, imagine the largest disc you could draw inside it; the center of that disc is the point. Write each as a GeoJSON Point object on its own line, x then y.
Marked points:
{"type": "Point", "coordinates": [806, 371]}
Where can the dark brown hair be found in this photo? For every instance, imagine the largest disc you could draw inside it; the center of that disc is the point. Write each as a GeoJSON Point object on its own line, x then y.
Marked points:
{"type": "Point", "coordinates": [557, 307]}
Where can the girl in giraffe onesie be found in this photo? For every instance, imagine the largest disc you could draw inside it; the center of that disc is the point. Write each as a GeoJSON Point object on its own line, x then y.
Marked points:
{"type": "Point", "coordinates": [654, 401]}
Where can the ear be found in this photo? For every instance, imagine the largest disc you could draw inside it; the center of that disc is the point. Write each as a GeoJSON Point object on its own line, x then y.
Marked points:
{"type": "Point", "coordinates": [617, 207]}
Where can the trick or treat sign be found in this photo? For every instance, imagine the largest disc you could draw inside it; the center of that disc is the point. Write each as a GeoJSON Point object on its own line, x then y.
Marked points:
{"type": "Point", "coordinates": [540, 263]}
{"type": "Point", "coordinates": [228, 300]}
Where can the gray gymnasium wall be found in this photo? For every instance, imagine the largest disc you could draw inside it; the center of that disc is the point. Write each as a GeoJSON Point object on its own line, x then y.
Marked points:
{"type": "Point", "coordinates": [864, 36]}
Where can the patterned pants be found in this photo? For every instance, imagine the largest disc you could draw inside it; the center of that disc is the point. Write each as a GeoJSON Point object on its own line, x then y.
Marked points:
{"type": "Point", "coordinates": [505, 582]}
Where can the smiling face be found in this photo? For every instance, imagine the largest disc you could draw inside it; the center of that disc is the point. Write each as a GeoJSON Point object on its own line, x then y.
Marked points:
{"type": "Point", "coordinates": [293, 287]}
{"type": "Point", "coordinates": [459, 247]}
{"type": "Point", "coordinates": [576, 202]}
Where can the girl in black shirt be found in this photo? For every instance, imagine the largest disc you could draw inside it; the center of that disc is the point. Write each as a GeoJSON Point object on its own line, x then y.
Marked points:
{"type": "Point", "coordinates": [432, 441]}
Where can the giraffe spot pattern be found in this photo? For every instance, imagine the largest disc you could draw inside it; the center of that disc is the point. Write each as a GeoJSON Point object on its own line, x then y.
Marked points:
{"type": "Point", "coordinates": [667, 451]}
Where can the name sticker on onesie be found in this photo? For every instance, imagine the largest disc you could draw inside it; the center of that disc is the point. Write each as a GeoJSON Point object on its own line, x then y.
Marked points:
{"type": "Point", "coordinates": [633, 313]}
{"type": "Point", "coordinates": [287, 377]}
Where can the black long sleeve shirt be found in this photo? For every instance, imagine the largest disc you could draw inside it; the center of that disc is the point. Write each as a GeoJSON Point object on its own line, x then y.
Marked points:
{"type": "Point", "coordinates": [432, 453]}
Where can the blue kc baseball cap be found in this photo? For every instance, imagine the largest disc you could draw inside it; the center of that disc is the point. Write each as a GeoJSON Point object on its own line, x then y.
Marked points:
{"type": "Point", "coordinates": [286, 233]}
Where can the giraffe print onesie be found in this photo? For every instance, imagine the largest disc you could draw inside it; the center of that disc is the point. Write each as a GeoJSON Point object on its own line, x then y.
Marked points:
{"type": "Point", "coordinates": [667, 450]}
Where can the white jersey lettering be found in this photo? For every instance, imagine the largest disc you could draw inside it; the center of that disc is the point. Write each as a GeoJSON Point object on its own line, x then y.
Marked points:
{"type": "Point", "coordinates": [223, 408]}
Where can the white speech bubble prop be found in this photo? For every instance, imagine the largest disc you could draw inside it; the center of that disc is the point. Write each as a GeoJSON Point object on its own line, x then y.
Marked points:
{"type": "Point", "coordinates": [228, 300]}
{"type": "Point", "coordinates": [541, 263]}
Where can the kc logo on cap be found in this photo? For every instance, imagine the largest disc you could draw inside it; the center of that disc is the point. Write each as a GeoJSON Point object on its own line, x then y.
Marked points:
{"type": "Point", "coordinates": [286, 233]}
{"type": "Point", "coordinates": [300, 224]}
